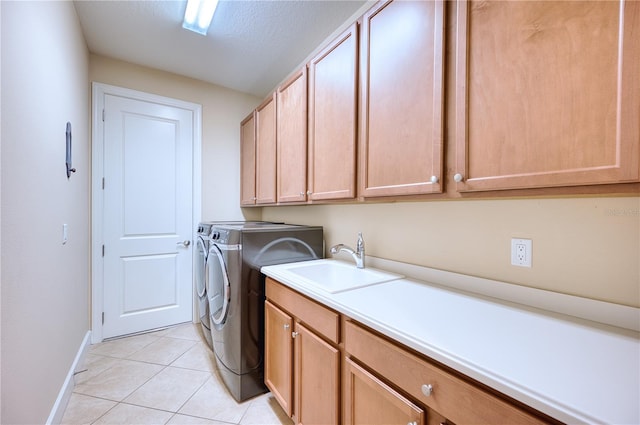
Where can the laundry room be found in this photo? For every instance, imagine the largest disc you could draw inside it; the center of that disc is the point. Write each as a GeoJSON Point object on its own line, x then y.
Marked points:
{"type": "Point", "coordinates": [463, 236]}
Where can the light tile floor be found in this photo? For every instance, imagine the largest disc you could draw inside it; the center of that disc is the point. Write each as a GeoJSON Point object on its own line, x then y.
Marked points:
{"type": "Point", "coordinates": [164, 377]}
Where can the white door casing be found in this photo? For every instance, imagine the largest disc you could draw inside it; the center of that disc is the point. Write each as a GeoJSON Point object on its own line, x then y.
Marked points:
{"type": "Point", "coordinates": [146, 148]}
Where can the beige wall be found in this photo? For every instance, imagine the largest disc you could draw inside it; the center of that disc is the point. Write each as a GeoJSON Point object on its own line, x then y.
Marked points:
{"type": "Point", "coordinates": [222, 111]}
{"type": "Point", "coordinates": [586, 246]}
{"type": "Point", "coordinates": [45, 285]}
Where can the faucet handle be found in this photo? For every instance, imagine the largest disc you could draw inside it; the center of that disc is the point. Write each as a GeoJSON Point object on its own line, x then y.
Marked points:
{"type": "Point", "coordinates": [360, 251]}
{"type": "Point", "coordinates": [360, 243]}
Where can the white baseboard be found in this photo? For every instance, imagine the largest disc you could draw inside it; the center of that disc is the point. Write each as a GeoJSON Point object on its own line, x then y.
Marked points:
{"type": "Point", "coordinates": [55, 417]}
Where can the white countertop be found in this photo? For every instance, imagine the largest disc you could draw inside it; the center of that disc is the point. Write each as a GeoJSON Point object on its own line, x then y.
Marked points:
{"type": "Point", "coordinates": [574, 370]}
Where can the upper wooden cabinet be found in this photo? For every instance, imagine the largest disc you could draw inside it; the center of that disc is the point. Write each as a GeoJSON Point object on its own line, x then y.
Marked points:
{"type": "Point", "coordinates": [292, 138]}
{"type": "Point", "coordinates": [401, 108]}
{"type": "Point", "coordinates": [547, 94]}
{"type": "Point", "coordinates": [542, 94]}
{"type": "Point", "coordinates": [248, 160]}
{"type": "Point", "coordinates": [332, 119]}
{"type": "Point", "coordinates": [266, 151]}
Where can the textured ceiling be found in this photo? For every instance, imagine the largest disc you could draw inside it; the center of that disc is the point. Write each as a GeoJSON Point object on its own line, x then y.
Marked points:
{"type": "Point", "coordinates": [251, 45]}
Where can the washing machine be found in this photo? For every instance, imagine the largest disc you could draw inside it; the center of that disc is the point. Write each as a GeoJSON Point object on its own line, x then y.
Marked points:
{"type": "Point", "coordinates": [235, 290]}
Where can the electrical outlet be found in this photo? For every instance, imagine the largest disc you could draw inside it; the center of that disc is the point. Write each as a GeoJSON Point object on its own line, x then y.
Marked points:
{"type": "Point", "coordinates": [521, 252]}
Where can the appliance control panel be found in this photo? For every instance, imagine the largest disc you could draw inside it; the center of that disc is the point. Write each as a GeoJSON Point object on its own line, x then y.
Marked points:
{"type": "Point", "coordinates": [204, 229]}
{"type": "Point", "coordinates": [219, 235]}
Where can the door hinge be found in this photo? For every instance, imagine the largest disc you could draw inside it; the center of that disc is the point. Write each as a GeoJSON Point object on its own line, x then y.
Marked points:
{"type": "Point", "coordinates": [103, 115]}
{"type": "Point", "coordinates": [103, 255]}
{"type": "Point", "coordinates": [103, 317]}
{"type": "Point", "coordinates": [103, 183]}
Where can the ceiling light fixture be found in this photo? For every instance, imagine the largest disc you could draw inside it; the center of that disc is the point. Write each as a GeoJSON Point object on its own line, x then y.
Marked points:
{"type": "Point", "coordinates": [198, 15]}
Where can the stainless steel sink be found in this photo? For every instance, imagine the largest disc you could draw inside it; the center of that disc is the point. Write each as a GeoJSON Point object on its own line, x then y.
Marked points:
{"type": "Point", "coordinates": [336, 276]}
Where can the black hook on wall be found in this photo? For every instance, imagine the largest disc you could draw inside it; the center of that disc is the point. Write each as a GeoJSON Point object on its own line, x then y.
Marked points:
{"type": "Point", "coordinates": [68, 157]}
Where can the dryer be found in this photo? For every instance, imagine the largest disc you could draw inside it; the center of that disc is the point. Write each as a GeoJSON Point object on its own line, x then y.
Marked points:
{"type": "Point", "coordinates": [235, 290]}
{"type": "Point", "coordinates": [203, 239]}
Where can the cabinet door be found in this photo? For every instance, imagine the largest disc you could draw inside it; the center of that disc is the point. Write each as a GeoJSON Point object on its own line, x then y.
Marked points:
{"type": "Point", "coordinates": [402, 99]}
{"type": "Point", "coordinates": [266, 151]}
{"type": "Point", "coordinates": [368, 400]}
{"type": "Point", "coordinates": [278, 356]}
{"type": "Point", "coordinates": [292, 139]}
{"type": "Point", "coordinates": [332, 119]}
{"type": "Point", "coordinates": [248, 161]}
{"type": "Point", "coordinates": [317, 379]}
{"type": "Point", "coordinates": [547, 94]}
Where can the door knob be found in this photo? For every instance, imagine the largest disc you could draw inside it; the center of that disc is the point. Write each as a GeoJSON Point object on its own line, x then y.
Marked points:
{"type": "Point", "coordinates": [184, 243]}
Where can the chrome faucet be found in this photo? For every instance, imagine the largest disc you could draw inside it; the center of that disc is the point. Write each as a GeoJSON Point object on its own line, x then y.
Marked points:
{"type": "Point", "coordinates": [358, 254]}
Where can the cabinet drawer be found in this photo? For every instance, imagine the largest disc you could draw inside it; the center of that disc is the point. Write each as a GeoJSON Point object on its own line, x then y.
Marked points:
{"type": "Point", "coordinates": [458, 400]}
{"type": "Point", "coordinates": [316, 316]}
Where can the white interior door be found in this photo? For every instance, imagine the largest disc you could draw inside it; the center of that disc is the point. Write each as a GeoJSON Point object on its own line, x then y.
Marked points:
{"type": "Point", "coordinates": [147, 215]}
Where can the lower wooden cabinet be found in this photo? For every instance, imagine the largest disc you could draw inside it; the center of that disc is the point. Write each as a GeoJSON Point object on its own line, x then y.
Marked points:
{"type": "Point", "coordinates": [302, 364]}
{"type": "Point", "coordinates": [316, 378]}
{"type": "Point", "coordinates": [368, 400]}
{"type": "Point", "coordinates": [278, 356]}
{"type": "Point", "coordinates": [458, 400]}
{"type": "Point", "coordinates": [324, 368]}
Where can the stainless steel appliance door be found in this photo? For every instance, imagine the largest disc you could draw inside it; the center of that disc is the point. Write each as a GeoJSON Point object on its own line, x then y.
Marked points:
{"type": "Point", "coordinates": [218, 287]}
{"type": "Point", "coordinates": [201, 267]}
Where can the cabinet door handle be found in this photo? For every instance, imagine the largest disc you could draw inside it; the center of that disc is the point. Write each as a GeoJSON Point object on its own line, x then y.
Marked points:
{"type": "Point", "coordinates": [294, 334]}
{"type": "Point", "coordinates": [302, 194]}
{"type": "Point", "coordinates": [309, 193]}
{"type": "Point", "coordinates": [427, 389]}
{"type": "Point", "coordinates": [434, 179]}
{"type": "Point", "coordinates": [413, 423]}
{"type": "Point", "coordinates": [458, 177]}
{"type": "Point", "coordinates": [286, 326]}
